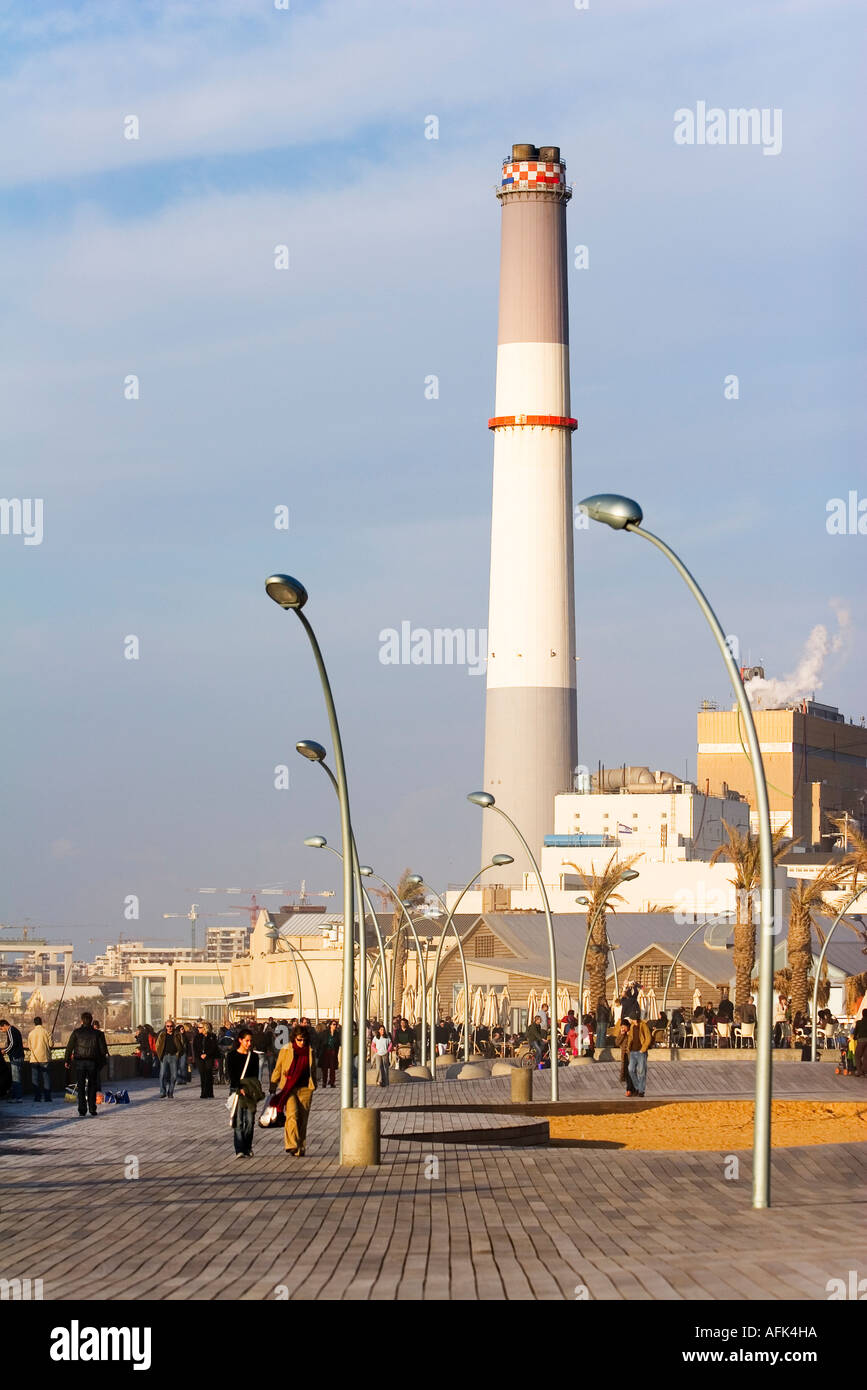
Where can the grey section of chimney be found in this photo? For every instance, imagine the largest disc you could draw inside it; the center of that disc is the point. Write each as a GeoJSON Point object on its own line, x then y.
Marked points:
{"type": "Point", "coordinates": [531, 740]}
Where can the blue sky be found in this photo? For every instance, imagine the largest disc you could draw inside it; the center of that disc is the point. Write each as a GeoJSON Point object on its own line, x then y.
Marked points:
{"type": "Point", "coordinates": [306, 388]}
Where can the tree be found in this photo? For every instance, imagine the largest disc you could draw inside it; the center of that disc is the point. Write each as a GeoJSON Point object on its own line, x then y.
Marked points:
{"type": "Point", "coordinates": [743, 853]}
{"type": "Point", "coordinates": [807, 897]}
{"type": "Point", "coordinates": [601, 888]}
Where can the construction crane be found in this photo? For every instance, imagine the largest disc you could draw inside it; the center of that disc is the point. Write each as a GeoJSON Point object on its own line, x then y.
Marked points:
{"type": "Point", "coordinates": [193, 917]}
{"type": "Point", "coordinates": [254, 907]}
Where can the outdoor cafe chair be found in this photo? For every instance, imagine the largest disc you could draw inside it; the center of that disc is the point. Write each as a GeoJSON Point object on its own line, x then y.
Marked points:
{"type": "Point", "coordinates": [724, 1034]}
{"type": "Point", "coordinates": [746, 1032]}
{"type": "Point", "coordinates": [696, 1030]}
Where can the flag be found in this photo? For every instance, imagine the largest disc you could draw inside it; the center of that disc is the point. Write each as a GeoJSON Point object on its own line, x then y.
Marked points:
{"type": "Point", "coordinates": [624, 829]}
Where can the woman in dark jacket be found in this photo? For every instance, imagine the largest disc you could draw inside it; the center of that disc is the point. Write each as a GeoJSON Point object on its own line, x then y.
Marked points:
{"type": "Point", "coordinates": [208, 1052]}
{"type": "Point", "coordinates": [404, 1041]}
{"type": "Point", "coordinates": [242, 1065]}
{"type": "Point", "coordinates": [328, 1050]}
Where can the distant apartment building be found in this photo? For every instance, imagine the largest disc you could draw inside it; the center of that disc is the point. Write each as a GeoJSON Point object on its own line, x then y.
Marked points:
{"type": "Point", "coordinates": [815, 765]}
{"type": "Point", "coordinates": [118, 959]}
{"type": "Point", "coordinates": [226, 943]}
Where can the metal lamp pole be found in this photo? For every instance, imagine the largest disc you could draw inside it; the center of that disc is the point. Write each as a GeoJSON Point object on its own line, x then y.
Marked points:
{"type": "Point", "coordinates": [487, 803]}
{"type": "Point", "coordinates": [835, 924]}
{"type": "Point", "coordinates": [275, 935]}
{"type": "Point", "coordinates": [421, 969]}
{"type": "Point", "coordinates": [680, 950]}
{"type": "Point", "coordinates": [290, 594]}
{"type": "Point", "coordinates": [497, 862]}
{"type": "Point", "coordinates": [623, 514]}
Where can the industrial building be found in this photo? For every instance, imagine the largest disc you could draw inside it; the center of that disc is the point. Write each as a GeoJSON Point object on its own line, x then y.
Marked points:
{"type": "Point", "coordinates": [815, 765]}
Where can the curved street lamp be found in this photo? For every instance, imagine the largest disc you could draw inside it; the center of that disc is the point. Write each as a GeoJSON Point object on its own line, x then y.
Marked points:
{"type": "Point", "coordinates": [422, 973]}
{"type": "Point", "coordinates": [290, 594]}
{"type": "Point", "coordinates": [680, 950]}
{"type": "Point", "coordinates": [497, 862]}
{"type": "Point", "coordinates": [274, 934]}
{"type": "Point", "coordinates": [487, 803]}
{"type": "Point", "coordinates": [320, 842]}
{"type": "Point", "coordinates": [626, 877]}
{"type": "Point", "coordinates": [835, 924]}
{"type": "Point", "coordinates": [624, 514]}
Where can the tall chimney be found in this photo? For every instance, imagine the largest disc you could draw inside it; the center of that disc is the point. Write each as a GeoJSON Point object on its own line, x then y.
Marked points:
{"type": "Point", "coordinates": [531, 707]}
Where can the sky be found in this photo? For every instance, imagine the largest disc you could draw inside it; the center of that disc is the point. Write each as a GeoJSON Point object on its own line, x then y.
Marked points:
{"type": "Point", "coordinates": [307, 389]}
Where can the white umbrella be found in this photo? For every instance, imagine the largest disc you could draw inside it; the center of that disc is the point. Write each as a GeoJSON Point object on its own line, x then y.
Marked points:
{"type": "Point", "coordinates": [491, 1014]}
{"type": "Point", "coordinates": [505, 1007]}
{"type": "Point", "coordinates": [652, 1005]}
{"type": "Point", "coordinates": [585, 1000]}
{"type": "Point", "coordinates": [642, 1002]}
{"type": "Point", "coordinates": [563, 1005]}
{"type": "Point", "coordinates": [532, 1005]}
{"type": "Point", "coordinates": [408, 1004]}
{"type": "Point", "coordinates": [460, 1003]}
{"type": "Point", "coordinates": [478, 1007]}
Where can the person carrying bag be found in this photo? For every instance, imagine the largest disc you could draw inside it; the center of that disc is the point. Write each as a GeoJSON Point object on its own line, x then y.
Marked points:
{"type": "Point", "coordinates": [242, 1066]}
{"type": "Point", "coordinates": [293, 1083]}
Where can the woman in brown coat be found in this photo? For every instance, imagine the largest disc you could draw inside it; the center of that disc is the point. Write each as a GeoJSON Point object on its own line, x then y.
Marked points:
{"type": "Point", "coordinates": [293, 1084]}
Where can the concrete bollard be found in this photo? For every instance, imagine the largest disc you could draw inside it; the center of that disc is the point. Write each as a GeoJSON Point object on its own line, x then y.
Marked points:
{"type": "Point", "coordinates": [522, 1084]}
{"type": "Point", "coordinates": [359, 1138]}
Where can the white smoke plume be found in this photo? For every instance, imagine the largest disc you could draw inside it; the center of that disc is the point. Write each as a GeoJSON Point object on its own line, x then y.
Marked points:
{"type": "Point", "coordinates": [807, 676]}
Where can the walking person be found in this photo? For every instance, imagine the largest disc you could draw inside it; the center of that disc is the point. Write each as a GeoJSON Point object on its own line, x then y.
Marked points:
{"type": "Point", "coordinates": [183, 1042]}
{"type": "Point", "coordinates": [535, 1036]}
{"type": "Point", "coordinates": [381, 1047]}
{"type": "Point", "coordinates": [168, 1051]}
{"type": "Point", "coordinates": [859, 1035]}
{"type": "Point", "coordinates": [404, 1041]}
{"type": "Point", "coordinates": [12, 1047]}
{"type": "Point", "coordinates": [245, 1090]}
{"type": "Point", "coordinates": [87, 1049]}
{"type": "Point", "coordinates": [208, 1052]}
{"type": "Point", "coordinates": [603, 1021]}
{"type": "Point", "coordinates": [637, 1044]}
{"type": "Point", "coordinates": [39, 1044]}
{"type": "Point", "coordinates": [293, 1083]}
{"type": "Point", "coordinates": [328, 1054]}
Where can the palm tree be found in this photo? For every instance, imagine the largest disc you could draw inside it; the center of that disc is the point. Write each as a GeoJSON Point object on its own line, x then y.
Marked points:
{"type": "Point", "coordinates": [601, 889]}
{"type": "Point", "coordinates": [807, 897]}
{"type": "Point", "coordinates": [855, 858]}
{"type": "Point", "coordinates": [743, 853]}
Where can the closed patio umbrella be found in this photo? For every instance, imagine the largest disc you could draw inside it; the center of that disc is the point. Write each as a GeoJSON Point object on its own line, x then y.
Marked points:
{"type": "Point", "coordinates": [460, 1006]}
{"type": "Point", "coordinates": [505, 1007]}
{"type": "Point", "coordinates": [652, 1005]}
{"type": "Point", "coordinates": [491, 1015]}
{"type": "Point", "coordinates": [478, 1006]}
{"type": "Point", "coordinates": [563, 1004]}
{"type": "Point", "coordinates": [532, 1005]}
{"type": "Point", "coordinates": [408, 1004]}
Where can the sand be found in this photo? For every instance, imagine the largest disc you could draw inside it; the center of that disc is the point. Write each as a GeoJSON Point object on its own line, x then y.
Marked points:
{"type": "Point", "coordinates": [716, 1124]}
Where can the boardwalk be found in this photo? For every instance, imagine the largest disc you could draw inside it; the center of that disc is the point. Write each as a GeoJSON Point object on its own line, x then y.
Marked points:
{"type": "Point", "coordinates": [438, 1219]}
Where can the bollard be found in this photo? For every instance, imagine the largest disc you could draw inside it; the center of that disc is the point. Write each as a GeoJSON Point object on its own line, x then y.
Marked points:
{"type": "Point", "coordinates": [359, 1138]}
{"type": "Point", "coordinates": [522, 1084]}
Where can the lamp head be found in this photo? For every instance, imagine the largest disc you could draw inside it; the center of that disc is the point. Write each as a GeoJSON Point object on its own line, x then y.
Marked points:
{"type": "Point", "coordinates": [316, 841]}
{"type": "Point", "coordinates": [272, 934]}
{"type": "Point", "coordinates": [483, 799]}
{"type": "Point", "coordinates": [288, 592]}
{"type": "Point", "coordinates": [365, 870]}
{"type": "Point", "coordinates": [628, 875]}
{"type": "Point", "coordinates": [616, 511]}
{"type": "Point", "coordinates": [583, 902]}
{"type": "Point", "coordinates": [313, 752]}
{"type": "Point", "coordinates": [499, 859]}
{"type": "Point", "coordinates": [414, 881]}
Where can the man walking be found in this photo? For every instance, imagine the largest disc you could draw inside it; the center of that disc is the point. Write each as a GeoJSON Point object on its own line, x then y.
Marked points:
{"type": "Point", "coordinates": [169, 1047]}
{"type": "Point", "coordinates": [39, 1044]}
{"type": "Point", "coordinates": [536, 1038]}
{"type": "Point", "coordinates": [637, 1045]}
{"type": "Point", "coordinates": [12, 1047]}
{"type": "Point", "coordinates": [87, 1049]}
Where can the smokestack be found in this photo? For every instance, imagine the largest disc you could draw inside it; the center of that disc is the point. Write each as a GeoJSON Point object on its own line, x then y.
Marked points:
{"type": "Point", "coordinates": [531, 709]}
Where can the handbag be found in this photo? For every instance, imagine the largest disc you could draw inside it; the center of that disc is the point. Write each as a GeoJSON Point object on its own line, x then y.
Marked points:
{"type": "Point", "coordinates": [272, 1115]}
{"type": "Point", "coordinates": [232, 1100]}
{"type": "Point", "coordinates": [404, 1051]}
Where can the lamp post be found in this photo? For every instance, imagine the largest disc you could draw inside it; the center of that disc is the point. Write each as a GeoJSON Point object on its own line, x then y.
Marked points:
{"type": "Point", "coordinates": [359, 1140]}
{"type": "Point", "coordinates": [680, 950]}
{"type": "Point", "coordinates": [320, 842]}
{"type": "Point", "coordinates": [626, 877]}
{"type": "Point", "coordinates": [274, 934]}
{"type": "Point", "coordinates": [497, 862]}
{"type": "Point", "coordinates": [623, 514]}
{"type": "Point", "coordinates": [487, 803]}
{"type": "Point", "coordinates": [314, 752]}
{"type": "Point", "coordinates": [834, 925]}
{"type": "Point", "coordinates": [421, 968]}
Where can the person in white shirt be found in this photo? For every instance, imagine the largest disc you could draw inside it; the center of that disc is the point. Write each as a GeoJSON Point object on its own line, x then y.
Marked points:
{"type": "Point", "coordinates": [381, 1047]}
